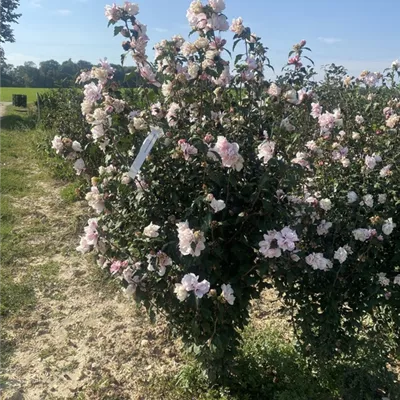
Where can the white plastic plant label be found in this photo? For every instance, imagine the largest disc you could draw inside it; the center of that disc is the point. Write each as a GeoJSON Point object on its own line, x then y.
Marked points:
{"type": "Point", "coordinates": [145, 149]}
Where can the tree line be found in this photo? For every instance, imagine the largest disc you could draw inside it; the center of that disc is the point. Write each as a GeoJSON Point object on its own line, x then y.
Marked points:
{"type": "Point", "coordinates": [52, 74]}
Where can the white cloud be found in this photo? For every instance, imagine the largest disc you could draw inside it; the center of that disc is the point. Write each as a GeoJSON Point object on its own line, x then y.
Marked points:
{"type": "Point", "coordinates": [63, 11]}
{"type": "Point", "coordinates": [161, 30]}
{"type": "Point", "coordinates": [329, 40]}
{"type": "Point", "coordinates": [36, 3]}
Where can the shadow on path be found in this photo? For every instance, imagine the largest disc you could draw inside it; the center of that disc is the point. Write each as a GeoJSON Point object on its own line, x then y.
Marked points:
{"type": "Point", "coordinates": [18, 119]}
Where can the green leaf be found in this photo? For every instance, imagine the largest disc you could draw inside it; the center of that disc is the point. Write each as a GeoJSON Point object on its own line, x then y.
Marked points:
{"type": "Point", "coordinates": [217, 177]}
{"type": "Point", "coordinates": [238, 57]}
{"type": "Point", "coordinates": [309, 59]}
{"type": "Point", "coordinates": [230, 54]}
{"type": "Point", "coordinates": [123, 56]}
{"type": "Point", "coordinates": [212, 73]}
{"type": "Point", "coordinates": [117, 30]}
{"type": "Point", "coordinates": [201, 146]}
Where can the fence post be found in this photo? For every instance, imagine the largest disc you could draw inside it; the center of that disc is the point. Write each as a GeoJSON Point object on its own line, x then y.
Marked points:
{"type": "Point", "coordinates": [38, 106]}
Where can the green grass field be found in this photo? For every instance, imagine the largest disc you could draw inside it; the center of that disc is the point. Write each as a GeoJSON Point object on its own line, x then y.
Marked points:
{"type": "Point", "coordinates": [7, 92]}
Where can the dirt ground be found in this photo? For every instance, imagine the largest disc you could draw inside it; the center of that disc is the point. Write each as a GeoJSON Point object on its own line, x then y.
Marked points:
{"type": "Point", "coordinates": [3, 106]}
{"type": "Point", "coordinates": [83, 336]}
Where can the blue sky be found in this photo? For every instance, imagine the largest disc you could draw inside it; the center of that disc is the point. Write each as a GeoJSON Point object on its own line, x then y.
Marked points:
{"type": "Point", "coordinates": [354, 33]}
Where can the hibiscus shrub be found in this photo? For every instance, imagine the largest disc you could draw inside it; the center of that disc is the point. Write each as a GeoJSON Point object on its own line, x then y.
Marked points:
{"type": "Point", "coordinates": [249, 184]}
{"type": "Point", "coordinates": [60, 115]}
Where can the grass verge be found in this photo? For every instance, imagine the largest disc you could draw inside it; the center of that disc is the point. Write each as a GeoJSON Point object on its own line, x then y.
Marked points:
{"type": "Point", "coordinates": [20, 184]}
{"type": "Point", "coordinates": [7, 92]}
{"type": "Point", "coordinates": [18, 119]}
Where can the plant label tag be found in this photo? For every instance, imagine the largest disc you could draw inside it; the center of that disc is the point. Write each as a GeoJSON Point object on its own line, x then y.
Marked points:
{"type": "Point", "coordinates": [145, 149]}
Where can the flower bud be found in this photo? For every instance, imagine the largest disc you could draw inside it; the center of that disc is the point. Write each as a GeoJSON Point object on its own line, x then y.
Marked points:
{"type": "Point", "coordinates": [126, 45]}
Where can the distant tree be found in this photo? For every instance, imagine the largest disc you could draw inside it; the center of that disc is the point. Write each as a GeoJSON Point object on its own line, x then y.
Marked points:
{"type": "Point", "coordinates": [84, 65]}
{"type": "Point", "coordinates": [52, 74]}
{"type": "Point", "coordinates": [7, 74]}
{"type": "Point", "coordinates": [7, 16]}
{"type": "Point", "coordinates": [27, 75]}
{"type": "Point", "coordinates": [119, 72]}
{"type": "Point", "coordinates": [68, 71]}
{"type": "Point", "coordinates": [49, 71]}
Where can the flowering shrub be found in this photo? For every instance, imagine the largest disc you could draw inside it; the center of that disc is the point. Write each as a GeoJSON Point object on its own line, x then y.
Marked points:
{"type": "Point", "coordinates": [60, 115]}
{"type": "Point", "coordinates": [249, 184]}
